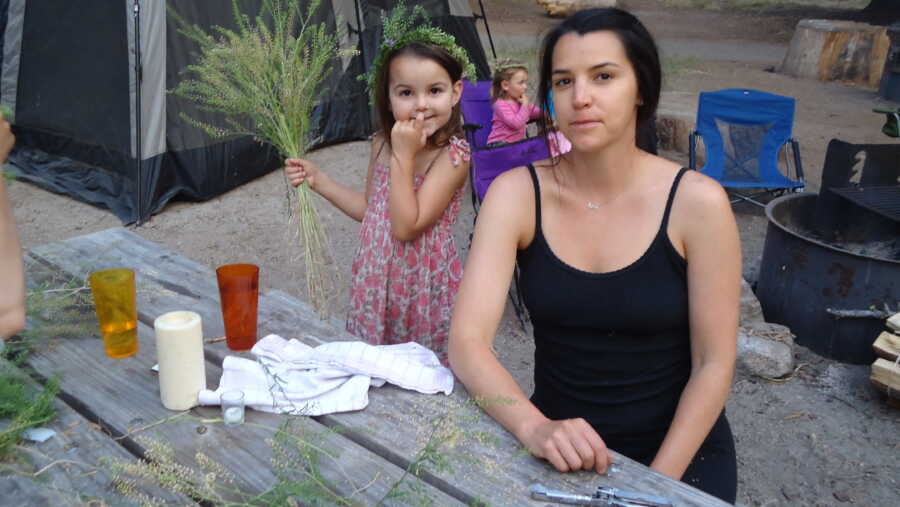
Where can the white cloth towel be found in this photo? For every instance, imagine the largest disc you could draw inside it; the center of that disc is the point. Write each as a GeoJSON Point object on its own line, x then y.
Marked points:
{"type": "Point", "coordinates": [292, 377]}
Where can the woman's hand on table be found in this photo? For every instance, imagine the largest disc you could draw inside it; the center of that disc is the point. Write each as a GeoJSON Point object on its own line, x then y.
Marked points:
{"type": "Point", "coordinates": [568, 444]}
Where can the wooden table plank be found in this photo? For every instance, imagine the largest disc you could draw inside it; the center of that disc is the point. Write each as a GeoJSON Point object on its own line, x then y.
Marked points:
{"type": "Point", "coordinates": [123, 396]}
{"type": "Point", "coordinates": [68, 468]}
{"type": "Point", "coordinates": [485, 462]}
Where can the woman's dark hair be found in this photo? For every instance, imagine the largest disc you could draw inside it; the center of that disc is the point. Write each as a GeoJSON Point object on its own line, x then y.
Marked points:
{"type": "Point", "coordinates": [639, 48]}
{"type": "Point", "coordinates": [382, 95]}
{"type": "Point", "coordinates": [504, 74]}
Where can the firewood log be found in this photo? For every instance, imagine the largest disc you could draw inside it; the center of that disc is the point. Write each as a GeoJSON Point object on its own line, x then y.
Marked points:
{"type": "Point", "coordinates": [886, 378]}
{"type": "Point", "coordinates": [562, 8]}
{"type": "Point", "coordinates": [894, 322]}
{"type": "Point", "coordinates": [887, 345]}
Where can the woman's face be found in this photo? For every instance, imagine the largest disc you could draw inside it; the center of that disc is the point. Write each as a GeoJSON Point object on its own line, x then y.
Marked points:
{"type": "Point", "coordinates": [595, 90]}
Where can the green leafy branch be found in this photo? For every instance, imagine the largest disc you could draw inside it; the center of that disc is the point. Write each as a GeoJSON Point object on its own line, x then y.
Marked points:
{"type": "Point", "coordinates": [265, 80]}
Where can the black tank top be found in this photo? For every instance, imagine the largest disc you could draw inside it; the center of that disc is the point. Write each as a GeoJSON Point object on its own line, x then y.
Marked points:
{"type": "Point", "coordinates": [613, 348]}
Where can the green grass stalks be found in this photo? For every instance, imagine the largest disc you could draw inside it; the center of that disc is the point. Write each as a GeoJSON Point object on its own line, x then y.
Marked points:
{"type": "Point", "coordinates": [265, 78]}
{"type": "Point", "coordinates": [7, 113]}
{"type": "Point", "coordinates": [22, 405]}
{"type": "Point", "coordinates": [319, 287]}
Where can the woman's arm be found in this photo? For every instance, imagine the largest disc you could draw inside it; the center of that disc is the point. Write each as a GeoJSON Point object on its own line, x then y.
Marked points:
{"type": "Point", "coordinates": [713, 252]}
{"type": "Point", "coordinates": [412, 211]}
{"type": "Point", "coordinates": [504, 221]}
{"type": "Point", "coordinates": [12, 276]}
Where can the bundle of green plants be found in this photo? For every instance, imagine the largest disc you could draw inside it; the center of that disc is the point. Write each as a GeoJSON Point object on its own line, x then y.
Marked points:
{"type": "Point", "coordinates": [265, 77]}
{"type": "Point", "coordinates": [7, 113]}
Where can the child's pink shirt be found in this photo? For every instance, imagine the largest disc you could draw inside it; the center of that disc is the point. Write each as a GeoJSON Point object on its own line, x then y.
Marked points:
{"type": "Point", "coordinates": [509, 120]}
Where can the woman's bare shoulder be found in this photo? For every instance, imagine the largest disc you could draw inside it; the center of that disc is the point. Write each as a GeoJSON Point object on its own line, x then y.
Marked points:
{"type": "Point", "coordinates": [512, 184]}
{"type": "Point", "coordinates": [702, 192]}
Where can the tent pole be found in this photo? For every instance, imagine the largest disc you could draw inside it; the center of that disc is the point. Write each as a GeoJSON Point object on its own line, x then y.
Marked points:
{"type": "Point", "coordinates": [359, 41]}
{"type": "Point", "coordinates": [137, 110]}
{"type": "Point", "coordinates": [487, 28]}
{"type": "Point", "coordinates": [362, 52]}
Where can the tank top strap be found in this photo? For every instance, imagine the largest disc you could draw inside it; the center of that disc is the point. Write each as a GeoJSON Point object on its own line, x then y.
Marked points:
{"type": "Point", "coordinates": [537, 199]}
{"type": "Point", "coordinates": [665, 220]}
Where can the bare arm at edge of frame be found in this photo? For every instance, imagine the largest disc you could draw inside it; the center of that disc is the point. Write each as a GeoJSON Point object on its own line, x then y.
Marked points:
{"type": "Point", "coordinates": [12, 295]}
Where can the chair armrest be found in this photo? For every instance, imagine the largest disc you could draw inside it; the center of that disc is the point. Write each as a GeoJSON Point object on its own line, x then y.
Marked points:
{"type": "Point", "coordinates": [798, 166]}
{"type": "Point", "coordinates": [692, 149]}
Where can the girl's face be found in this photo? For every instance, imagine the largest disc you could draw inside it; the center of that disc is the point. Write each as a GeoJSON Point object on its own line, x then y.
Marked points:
{"type": "Point", "coordinates": [516, 86]}
{"type": "Point", "coordinates": [421, 85]}
{"type": "Point", "coordinates": [595, 90]}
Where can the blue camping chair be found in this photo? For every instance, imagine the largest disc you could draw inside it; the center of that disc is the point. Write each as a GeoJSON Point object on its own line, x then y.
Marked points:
{"type": "Point", "coordinates": [743, 132]}
{"type": "Point", "coordinates": [489, 162]}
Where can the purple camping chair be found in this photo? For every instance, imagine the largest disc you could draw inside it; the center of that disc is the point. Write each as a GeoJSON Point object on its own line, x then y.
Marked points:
{"type": "Point", "coordinates": [488, 162]}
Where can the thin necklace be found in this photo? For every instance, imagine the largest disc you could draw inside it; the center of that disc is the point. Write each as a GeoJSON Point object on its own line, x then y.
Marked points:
{"type": "Point", "coordinates": [593, 206]}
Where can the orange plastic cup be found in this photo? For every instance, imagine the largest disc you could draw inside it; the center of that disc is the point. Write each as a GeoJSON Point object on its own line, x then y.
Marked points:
{"type": "Point", "coordinates": [239, 293]}
{"type": "Point", "coordinates": [114, 301]}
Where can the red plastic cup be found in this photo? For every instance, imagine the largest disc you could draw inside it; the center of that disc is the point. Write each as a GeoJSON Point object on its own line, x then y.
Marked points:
{"type": "Point", "coordinates": [239, 294]}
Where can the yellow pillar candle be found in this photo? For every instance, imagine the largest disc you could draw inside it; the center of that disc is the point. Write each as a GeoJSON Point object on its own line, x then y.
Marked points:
{"type": "Point", "coordinates": [179, 350]}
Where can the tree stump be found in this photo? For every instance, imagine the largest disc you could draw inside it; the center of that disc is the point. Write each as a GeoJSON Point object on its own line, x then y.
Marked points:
{"type": "Point", "coordinates": [832, 50]}
{"type": "Point", "coordinates": [562, 8]}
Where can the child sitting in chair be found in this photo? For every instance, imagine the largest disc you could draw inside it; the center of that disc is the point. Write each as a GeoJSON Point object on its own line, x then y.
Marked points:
{"type": "Point", "coordinates": [513, 110]}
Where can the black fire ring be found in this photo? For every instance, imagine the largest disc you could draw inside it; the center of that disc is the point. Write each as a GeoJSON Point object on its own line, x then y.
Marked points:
{"type": "Point", "coordinates": [833, 296]}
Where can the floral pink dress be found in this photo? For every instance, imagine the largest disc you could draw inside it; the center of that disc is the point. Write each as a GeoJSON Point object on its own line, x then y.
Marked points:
{"type": "Point", "coordinates": [404, 290]}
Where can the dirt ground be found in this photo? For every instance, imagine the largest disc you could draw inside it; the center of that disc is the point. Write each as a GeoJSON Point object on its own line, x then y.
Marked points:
{"type": "Point", "coordinates": [821, 437]}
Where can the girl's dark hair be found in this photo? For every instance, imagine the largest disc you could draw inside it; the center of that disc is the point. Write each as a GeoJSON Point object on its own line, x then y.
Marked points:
{"type": "Point", "coordinates": [383, 102]}
{"type": "Point", "coordinates": [504, 74]}
{"type": "Point", "coordinates": [640, 50]}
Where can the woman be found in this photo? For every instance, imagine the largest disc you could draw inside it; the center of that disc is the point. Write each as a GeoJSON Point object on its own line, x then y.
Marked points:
{"type": "Point", "coordinates": [630, 270]}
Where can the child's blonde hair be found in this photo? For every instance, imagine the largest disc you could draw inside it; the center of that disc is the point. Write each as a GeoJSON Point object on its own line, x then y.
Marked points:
{"type": "Point", "coordinates": [504, 70]}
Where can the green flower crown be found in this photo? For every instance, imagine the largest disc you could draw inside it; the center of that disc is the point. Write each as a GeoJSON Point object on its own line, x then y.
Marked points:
{"type": "Point", "coordinates": [508, 63]}
{"type": "Point", "coordinates": [398, 32]}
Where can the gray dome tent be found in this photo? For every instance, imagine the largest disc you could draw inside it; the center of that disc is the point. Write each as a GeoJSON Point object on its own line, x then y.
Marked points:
{"type": "Point", "coordinates": [87, 84]}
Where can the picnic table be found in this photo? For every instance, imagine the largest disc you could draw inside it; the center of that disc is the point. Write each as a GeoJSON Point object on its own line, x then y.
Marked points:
{"type": "Point", "coordinates": [405, 448]}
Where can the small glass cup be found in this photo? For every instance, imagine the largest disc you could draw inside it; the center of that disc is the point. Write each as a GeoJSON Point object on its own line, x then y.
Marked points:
{"type": "Point", "coordinates": [232, 407]}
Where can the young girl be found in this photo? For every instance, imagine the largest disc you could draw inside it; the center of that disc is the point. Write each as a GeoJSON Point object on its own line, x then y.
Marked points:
{"type": "Point", "coordinates": [407, 270]}
{"type": "Point", "coordinates": [630, 269]}
{"type": "Point", "coordinates": [512, 109]}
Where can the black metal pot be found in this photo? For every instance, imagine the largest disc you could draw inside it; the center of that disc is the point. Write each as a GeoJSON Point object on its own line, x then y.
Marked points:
{"type": "Point", "coordinates": [832, 299]}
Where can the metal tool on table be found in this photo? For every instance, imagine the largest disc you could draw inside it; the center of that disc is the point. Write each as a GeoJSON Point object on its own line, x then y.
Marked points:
{"type": "Point", "coordinates": [607, 497]}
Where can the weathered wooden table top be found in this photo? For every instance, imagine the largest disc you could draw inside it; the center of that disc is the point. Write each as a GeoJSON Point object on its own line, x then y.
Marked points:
{"type": "Point", "coordinates": [433, 448]}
